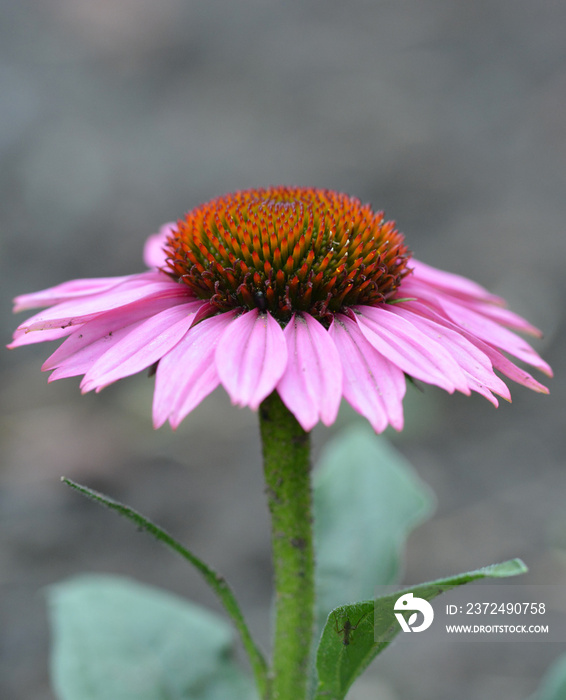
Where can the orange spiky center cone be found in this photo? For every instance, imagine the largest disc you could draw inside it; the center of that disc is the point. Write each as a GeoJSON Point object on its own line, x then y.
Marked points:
{"type": "Point", "coordinates": [288, 249]}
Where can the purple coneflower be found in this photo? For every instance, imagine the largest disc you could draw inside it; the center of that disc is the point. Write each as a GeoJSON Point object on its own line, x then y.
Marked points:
{"type": "Point", "coordinates": [299, 290]}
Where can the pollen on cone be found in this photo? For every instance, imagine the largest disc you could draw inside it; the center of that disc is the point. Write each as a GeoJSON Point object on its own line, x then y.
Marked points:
{"type": "Point", "coordinates": [313, 237]}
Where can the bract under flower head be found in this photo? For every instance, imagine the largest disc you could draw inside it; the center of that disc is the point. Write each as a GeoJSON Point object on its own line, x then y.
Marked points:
{"type": "Point", "coordinates": [303, 291]}
{"type": "Point", "coordinates": [287, 249]}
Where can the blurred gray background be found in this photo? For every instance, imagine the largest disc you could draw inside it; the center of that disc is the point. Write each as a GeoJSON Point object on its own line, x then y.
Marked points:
{"type": "Point", "coordinates": [119, 115]}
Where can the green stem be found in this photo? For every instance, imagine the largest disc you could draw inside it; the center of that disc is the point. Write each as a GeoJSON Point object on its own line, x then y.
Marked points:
{"type": "Point", "coordinates": [286, 455]}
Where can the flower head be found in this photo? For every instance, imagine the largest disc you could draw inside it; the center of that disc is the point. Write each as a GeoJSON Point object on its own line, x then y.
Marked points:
{"type": "Point", "coordinates": [299, 290]}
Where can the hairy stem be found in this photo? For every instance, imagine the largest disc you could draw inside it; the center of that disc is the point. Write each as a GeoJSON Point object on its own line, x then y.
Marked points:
{"type": "Point", "coordinates": [286, 455]}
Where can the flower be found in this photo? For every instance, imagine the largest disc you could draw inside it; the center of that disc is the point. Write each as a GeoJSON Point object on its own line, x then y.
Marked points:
{"type": "Point", "coordinates": [299, 290]}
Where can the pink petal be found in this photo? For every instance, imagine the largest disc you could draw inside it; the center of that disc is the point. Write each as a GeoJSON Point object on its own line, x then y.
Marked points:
{"type": "Point", "coordinates": [410, 349]}
{"type": "Point", "coordinates": [506, 367]}
{"type": "Point", "coordinates": [146, 286]}
{"type": "Point", "coordinates": [22, 337]}
{"type": "Point", "coordinates": [141, 347]}
{"type": "Point", "coordinates": [494, 334]}
{"type": "Point", "coordinates": [472, 318]}
{"type": "Point", "coordinates": [251, 357]}
{"type": "Point", "coordinates": [82, 360]}
{"type": "Point", "coordinates": [498, 360]}
{"type": "Point", "coordinates": [311, 386]}
{"type": "Point", "coordinates": [153, 253]}
{"type": "Point", "coordinates": [451, 283]}
{"type": "Point", "coordinates": [372, 385]}
{"type": "Point", "coordinates": [504, 316]}
{"type": "Point", "coordinates": [66, 291]}
{"type": "Point", "coordinates": [475, 364]}
{"type": "Point", "coordinates": [90, 341]}
{"type": "Point", "coordinates": [187, 373]}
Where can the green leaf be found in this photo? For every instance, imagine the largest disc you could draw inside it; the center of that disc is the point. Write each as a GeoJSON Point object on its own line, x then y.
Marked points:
{"type": "Point", "coordinates": [355, 634]}
{"type": "Point", "coordinates": [553, 686]}
{"type": "Point", "coordinates": [367, 499]}
{"type": "Point", "coordinates": [114, 638]}
{"type": "Point", "coordinates": [216, 582]}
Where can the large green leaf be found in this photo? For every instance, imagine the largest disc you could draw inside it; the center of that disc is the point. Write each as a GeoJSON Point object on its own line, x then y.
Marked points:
{"type": "Point", "coordinates": [367, 499]}
{"type": "Point", "coordinates": [114, 638]}
{"type": "Point", "coordinates": [355, 634]}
